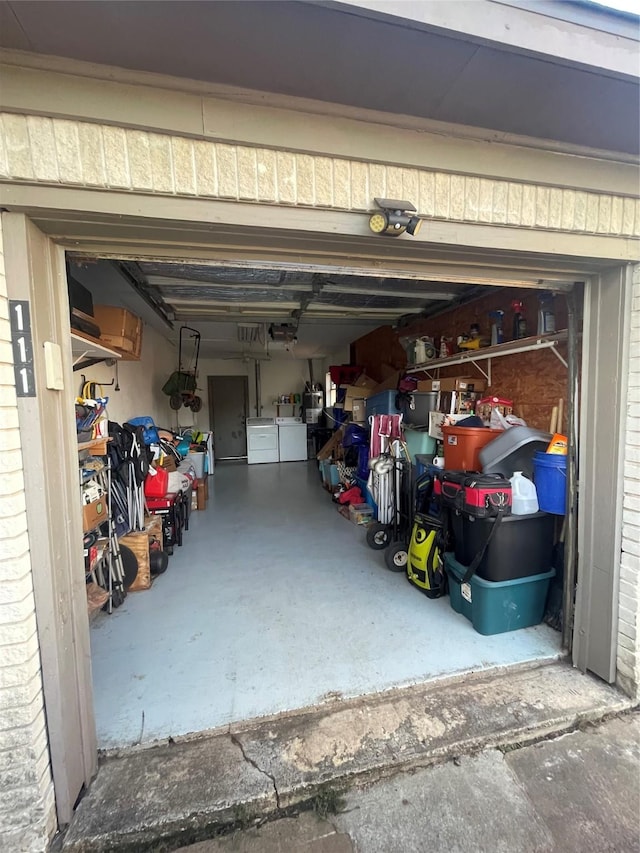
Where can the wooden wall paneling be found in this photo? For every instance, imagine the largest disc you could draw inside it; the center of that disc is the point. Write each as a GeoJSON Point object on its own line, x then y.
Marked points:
{"type": "Point", "coordinates": [535, 381]}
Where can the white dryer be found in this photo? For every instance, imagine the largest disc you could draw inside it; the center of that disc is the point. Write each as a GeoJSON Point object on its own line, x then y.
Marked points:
{"type": "Point", "coordinates": [292, 439]}
{"type": "Point", "coordinates": [262, 440]}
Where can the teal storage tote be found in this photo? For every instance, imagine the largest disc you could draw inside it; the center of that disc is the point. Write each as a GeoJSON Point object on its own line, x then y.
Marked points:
{"type": "Point", "coordinates": [419, 442]}
{"type": "Point", "coordinates": [495, 607]}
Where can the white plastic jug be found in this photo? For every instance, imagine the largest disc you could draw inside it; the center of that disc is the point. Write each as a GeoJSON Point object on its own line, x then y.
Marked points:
{"type": "Point", "coordinates": [524, 498]}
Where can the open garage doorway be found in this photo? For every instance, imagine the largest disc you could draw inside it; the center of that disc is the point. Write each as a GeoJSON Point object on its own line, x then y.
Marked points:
{"type": "Point", "coordinates": [274, 601]}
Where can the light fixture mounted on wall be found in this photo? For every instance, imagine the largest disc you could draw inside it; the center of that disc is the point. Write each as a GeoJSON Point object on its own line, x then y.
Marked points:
{"type": "Point", "coordinates": [395, 218]}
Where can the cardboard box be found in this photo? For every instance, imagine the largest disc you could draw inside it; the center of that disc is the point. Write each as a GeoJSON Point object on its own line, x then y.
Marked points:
{"type": "Point", "coordinates": [202, 501]}
{"type": "Point", "coordinates": [362, 387]}
{"type": "Point", "coordinates": [390, 383]}
{"type": "Point", "coordinates": [359, 410]}
{"type": "Point", "coordinates": [119, 329]}
{"type": "Point", "coordinates": [354, 392]}
{"type": "Point", "coordinates": [94, 514]}
{"type": "Point", "coordinates": [453, 383]}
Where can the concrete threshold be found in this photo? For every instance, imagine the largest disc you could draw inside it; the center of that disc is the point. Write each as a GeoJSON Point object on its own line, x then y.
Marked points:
{"type": "Point", "coordinates": [176, 793]}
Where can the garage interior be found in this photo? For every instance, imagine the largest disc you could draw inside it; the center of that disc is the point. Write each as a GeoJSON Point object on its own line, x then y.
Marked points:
{"type": "Point", "coordinates": [275, 602]}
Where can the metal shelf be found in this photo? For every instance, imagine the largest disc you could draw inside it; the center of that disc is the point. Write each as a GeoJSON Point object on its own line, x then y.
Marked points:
{"type": "Point", "coordinates": [535, 342]}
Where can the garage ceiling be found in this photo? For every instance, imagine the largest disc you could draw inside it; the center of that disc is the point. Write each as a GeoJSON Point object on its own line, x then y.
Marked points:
{"type": "Point", "coordinates": [234, 307]}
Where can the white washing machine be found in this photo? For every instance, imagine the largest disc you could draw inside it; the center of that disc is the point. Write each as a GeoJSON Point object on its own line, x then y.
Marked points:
{"type": "Point", "coordinates": [292, 439]}
{"type": "Point", "coordinates": [262, 440]}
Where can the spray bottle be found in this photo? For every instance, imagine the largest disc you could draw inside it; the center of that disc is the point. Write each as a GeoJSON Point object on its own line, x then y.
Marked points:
{"type": "Point", "coordinates": [497, 333]}
{"type": "Point", "coordinates": [519, 321]}
{"type": "Point", "coordinates": [546, 317]}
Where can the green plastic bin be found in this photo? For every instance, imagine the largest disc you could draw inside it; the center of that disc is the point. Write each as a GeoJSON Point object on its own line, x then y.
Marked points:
{"type": "Point", "coordinates": [495, 607]}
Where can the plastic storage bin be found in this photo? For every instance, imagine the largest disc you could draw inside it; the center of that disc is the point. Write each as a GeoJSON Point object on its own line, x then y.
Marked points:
{"type": "Point", "coordinates": [416, 406]}
{"type": "Point", "coordinates": [361, 513]}
{"type": "Point", "coordinates": [462, 446]}
{"type": "Point", "coordinates": [550, 478]}
{"type": "Point", "coordinates": [419, 442]}
{"type": "Point", "coordinates": [495, 608]}
{"type": "Point", "coordinates": [383, 403]}
{"type": "Point", "coordinates": [423, 463]}
{"type": "Point", "coordinates": [512, 450]}
{"type": "Point", "coordinates": [522, 545]}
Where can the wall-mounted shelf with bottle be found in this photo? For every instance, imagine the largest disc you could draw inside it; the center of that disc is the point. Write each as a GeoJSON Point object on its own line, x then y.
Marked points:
{"type": "Point", "coordinates": [530, 344]}
{"type": "Point", "coordinates": [88, 351]}
{"type": "Point", "coordinates": [289, 408]}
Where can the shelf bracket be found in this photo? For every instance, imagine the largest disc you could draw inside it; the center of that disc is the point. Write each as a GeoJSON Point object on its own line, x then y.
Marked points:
{"type": "Point", "coordinates": [554, 350]}
{"type": "Point", "coordinates": [82, 362]}
{"type": "Point", "coordinates": [486, 373]}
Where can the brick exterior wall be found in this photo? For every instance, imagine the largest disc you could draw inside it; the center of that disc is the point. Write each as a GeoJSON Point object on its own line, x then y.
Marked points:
{"type": "Point", "coordinates": [628, 658]}
{"type": "Point", "coordinates": [27, 807]}
{"type": "Point", "coordinates": [58, 151]}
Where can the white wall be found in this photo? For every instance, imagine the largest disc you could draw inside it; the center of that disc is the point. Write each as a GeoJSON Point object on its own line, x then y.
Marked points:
{"type": "Point", "coordinates": [281, 375]}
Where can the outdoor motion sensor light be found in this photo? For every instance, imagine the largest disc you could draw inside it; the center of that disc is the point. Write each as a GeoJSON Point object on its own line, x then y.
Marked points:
{"type": "Point", "coordinates": [395, 218]}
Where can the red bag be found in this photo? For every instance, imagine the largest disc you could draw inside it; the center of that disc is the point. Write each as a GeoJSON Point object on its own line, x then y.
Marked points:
{"type": "Point", "coordinates": [156, 483]}
{"type": "Point", "coordinates": [351, 496]}
{"type": "Point", "coordinates": [475, 495]}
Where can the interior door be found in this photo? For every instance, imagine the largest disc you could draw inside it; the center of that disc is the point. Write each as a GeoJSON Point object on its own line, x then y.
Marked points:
{"type": "Point", "coordinates": [229, 406]}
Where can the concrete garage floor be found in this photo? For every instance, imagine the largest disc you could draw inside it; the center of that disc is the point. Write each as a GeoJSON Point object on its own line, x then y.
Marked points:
{"type": "Point", "coordinates": [274, 603]}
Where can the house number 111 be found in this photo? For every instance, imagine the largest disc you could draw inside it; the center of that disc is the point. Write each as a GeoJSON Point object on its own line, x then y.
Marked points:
{"type": "Point", "coordinates": [20, 318]}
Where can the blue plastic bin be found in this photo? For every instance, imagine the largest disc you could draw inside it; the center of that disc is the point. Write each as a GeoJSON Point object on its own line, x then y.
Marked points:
{"type": "Point", "coordinates": [550, 477]}
{"type": "Point", "coordinates": [383, 403]}
{"type": "Point", "coordinates": [423, 463]}
{"type": "Point", "coordinates": [495, 607]}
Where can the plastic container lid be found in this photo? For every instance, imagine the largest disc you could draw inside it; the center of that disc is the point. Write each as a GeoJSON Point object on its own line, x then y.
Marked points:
{"type": "Point", "coordinates": [513, 451]}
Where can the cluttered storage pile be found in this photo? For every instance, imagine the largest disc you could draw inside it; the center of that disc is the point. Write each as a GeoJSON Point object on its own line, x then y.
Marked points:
{"type": "Point", "coordinates": [460, 493]}
{"type": "Point", "coordinates": [138, 486]}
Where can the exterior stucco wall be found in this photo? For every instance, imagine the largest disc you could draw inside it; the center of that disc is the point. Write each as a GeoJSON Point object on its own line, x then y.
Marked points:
{"type": "Point", "coordinates": [628, 657]}
{"type": "Point", "coordinates": [27, 807]}
{"type": "Point", "coordinates": [54, 151]}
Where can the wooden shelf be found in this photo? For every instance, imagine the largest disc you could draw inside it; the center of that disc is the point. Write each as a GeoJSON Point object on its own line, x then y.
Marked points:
{"type": "Point", "coordinates": [535, 342]}
{"type": "Point", "coordinates": [85, 348]}
{"type": "Point", "coordinates": [98, 445]}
